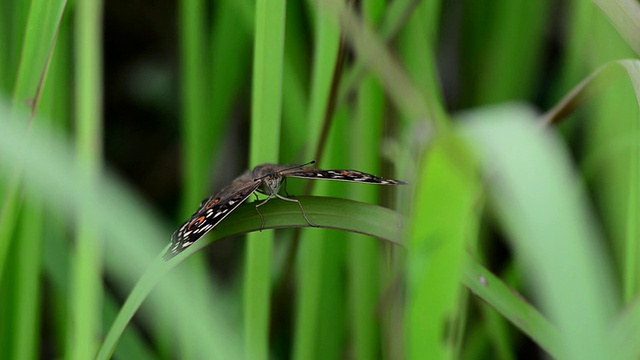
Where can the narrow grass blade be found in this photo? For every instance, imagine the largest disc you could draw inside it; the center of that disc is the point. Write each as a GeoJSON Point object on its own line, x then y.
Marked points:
{"type": "Point", "coordinates": [372, 51]}
{"type": "Point", "coordinates": [28, 269]}
{"type": "Point", "coordinates": [202, 112]}
{"type": "Point", "coordinates": [195, 91]}
{"type": "Point", "coordinates": [365, 276]}
{"type": "Point", "coordinates": [593, 84]}
{"type": "Point", "coordinates": [313, 252]}
{"type": "Point", "coordinates": [499, 62]}
{"type": "Point", "coordinates": [86, 290]}
{"type": "Point", "coordinates": [482, 283]}
{"type": "Point", "coordinates": [266, 110]}
{"type": "Point", "coordinates": [39, 40]}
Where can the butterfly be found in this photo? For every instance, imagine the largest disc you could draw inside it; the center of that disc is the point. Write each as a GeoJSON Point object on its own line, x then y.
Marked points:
{"type": "Point", "coordinates": [266, 179]}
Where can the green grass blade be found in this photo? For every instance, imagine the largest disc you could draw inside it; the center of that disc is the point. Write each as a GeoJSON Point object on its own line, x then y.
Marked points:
{"type": "Point", "coordinates": [482, 283]}
{"type": "Point", "coordinates": [332, 332]}
{"type": "Point", "coordinates": [443, 218]}
{"type": "Point", "coordinates": [195, 104]}
{"type": "Point", "coordinates": [549, 224]}
{"type": "Point", "coordinates": [611, 160]}
{"type": "Point", "coordinates": [34, 46]}
{"type": "Point", "coordinates": [266, 109]}
{"type": "Point", "coordinates": [295, 86]}
{"type": "Point", "coordinates": [364, 254]}
{"type": "Point", "coordinates": [624, 15]}
{"type": "Point", "coordinates": [326, 212]}
{"type": "Point", "coordinates": [28, 286]}
{"type": "Point", "coordinates": [595, 83]}
{"type": "Point", "coordinates": [418, 46]}
{"type": "Point", "coordinates": [313, 252]}
{"type": "Point", "coordinates": [504, 43]}
{"type": "Point", "coordinates": [132, 230]}
{"type": "Point", "coordinates": [231, 42]}
{"type": "Point", "coordinates": [55, 105]}
{"type": "Point", "coordinates": [132, 344]}
{"type": "Point", "coordinates": [201, 131]}
{"type": "Point", "coordinates": [16, 14]}
{"type": "Point", "coordinates": [372, 51]}
{"type": "Point", "coordinates": [573, 66]}
{"type": "Point", "coordinates": [603, 79]}
{"type": "Point", "coordinates": [626, 331]}
{"type": "Point", "coordinates": [86, 271]}
{"type": "Point", "coordinates": [330, 213]}
{"type": "Point", "coordinates": [42, 28]}
{"type": "Point", "coordinates": [395, 18]}
{"type": "Point", "coordinates": [39, 40]}
{"type": "Point", "coordinates": [11, 206]}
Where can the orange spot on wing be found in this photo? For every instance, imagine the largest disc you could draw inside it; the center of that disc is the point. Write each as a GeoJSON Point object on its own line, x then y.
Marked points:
{"type": "Point", "coordinates": [210, 205]}
{"type": "Point", "coordinates": [345, 173]}
{"type": "Point", "coordinates": [196, 222]}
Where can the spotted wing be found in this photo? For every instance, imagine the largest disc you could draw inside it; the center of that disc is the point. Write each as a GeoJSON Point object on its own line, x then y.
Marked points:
{"type": "Point", "coordinates": [211, 212]}
{"type": "Point", "coordinates": [339, 175]}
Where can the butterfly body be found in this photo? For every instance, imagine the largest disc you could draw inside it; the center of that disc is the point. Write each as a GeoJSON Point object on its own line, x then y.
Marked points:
{"type": "Point", "coordinates": [265, 178]}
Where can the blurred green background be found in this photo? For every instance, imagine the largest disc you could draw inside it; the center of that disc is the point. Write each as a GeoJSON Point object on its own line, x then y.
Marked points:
{"type": "Point", "coordinates": [515, 123]}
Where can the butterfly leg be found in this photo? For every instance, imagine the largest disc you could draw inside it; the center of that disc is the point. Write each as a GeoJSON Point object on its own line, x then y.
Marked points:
{"type": "Point", "coordinates": [301, 208]}
{"type": "Point", "coordinates": [285, 187]}
{"type": "Point", "coordinates": [259, 213]}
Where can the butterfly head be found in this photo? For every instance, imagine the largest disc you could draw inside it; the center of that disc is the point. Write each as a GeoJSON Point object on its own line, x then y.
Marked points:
{"type": "Point", "coordinates": [272, 184]}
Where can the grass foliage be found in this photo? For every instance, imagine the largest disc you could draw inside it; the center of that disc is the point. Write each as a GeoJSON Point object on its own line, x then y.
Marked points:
{"type": "Point", "coordinates": [518, 234]}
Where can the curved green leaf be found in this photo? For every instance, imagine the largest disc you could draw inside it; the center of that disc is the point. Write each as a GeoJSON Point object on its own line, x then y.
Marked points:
{"type": "Point", "coordinates": [328, 213]}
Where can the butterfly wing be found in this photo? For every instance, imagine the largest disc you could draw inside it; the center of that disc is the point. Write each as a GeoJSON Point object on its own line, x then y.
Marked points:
{"type": "Point", "coordinates": [214, 209]}
{"type": "Point", "coordinates": [339, 175]}
{"type": "Point", "coordinates": [211, 212]}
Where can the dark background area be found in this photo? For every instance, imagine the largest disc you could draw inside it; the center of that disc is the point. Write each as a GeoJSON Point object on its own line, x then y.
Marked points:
{"type": "Point", "coordinates": [142, 98]}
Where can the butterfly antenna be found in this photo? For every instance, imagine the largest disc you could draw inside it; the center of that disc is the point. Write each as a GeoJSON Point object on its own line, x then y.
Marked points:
{"type": "Point", "coordinates": [299, 166]}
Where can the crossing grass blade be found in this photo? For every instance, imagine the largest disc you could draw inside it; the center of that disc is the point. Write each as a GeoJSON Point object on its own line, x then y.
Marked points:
{"type": "Point", "coordinates": [43, 22]}
{"type": "Point", "coordinates": [23, 70]}
{"type": "Point", "coordinates": [131, 228]}
{"type": "Point", "coordinates": [550, 225]}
